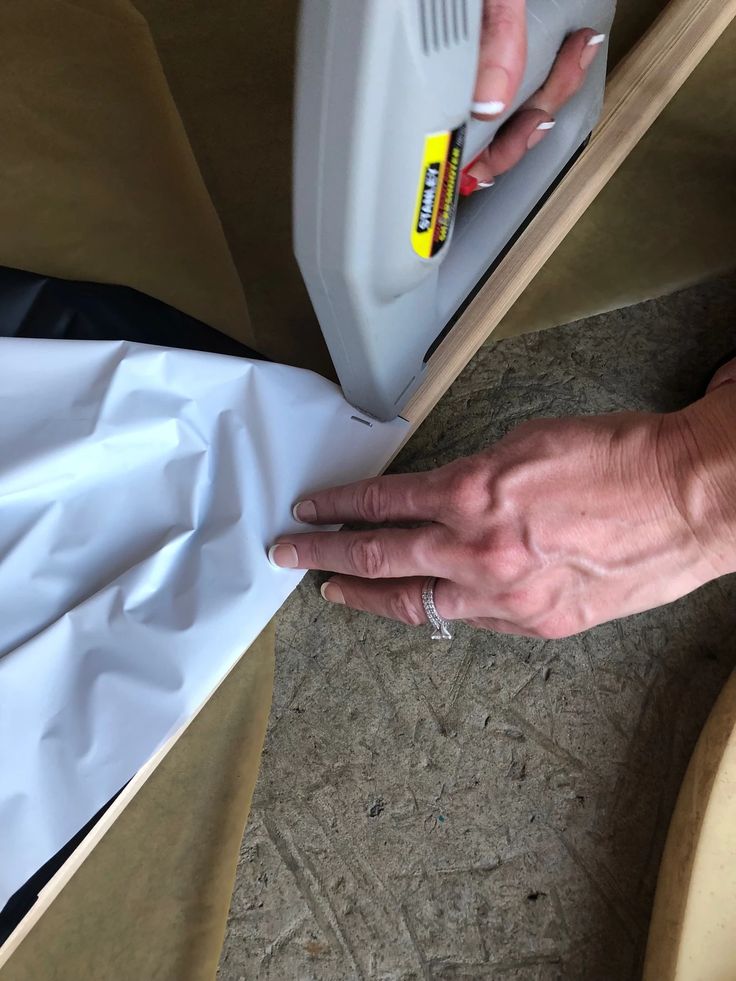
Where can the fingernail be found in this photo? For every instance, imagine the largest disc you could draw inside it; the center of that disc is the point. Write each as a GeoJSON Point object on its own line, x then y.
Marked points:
{"type": "Point", "coordinates": [332, 592]}
{"type": "Point", "coordinates": [283, 556]}
{"type": "Point", "coordinates": [591, 50]}
{"type": "Point", "coordinates": [305, 511]}
{"type": "Point", "coordinates": [468, 184]}
{"type": "Point", "coordinates": [539, 134]}
{"type": "Point", "coordinates": [495, 82]}
{"type": "Point", "coordinates": [484, 184]}
{"type": "Point", "coordinates": [493, 108]}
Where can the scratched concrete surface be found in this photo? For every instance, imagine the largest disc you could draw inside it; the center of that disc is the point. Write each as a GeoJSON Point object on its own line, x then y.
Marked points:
{"type": "Point", "coordinates": [496, 808]}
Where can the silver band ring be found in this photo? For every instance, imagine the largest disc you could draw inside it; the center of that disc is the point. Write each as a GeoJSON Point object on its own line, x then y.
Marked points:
{"type": "Point", "coordinates": [442, 628]}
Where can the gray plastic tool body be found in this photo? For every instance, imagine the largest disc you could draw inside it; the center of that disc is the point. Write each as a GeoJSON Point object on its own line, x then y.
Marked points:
{"type": "Point", "coordinates": [375, 80]}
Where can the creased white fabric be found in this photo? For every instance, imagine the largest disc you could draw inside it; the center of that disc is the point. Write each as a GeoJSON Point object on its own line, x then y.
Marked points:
{"type": "Point", "coordinates": [139, 488]}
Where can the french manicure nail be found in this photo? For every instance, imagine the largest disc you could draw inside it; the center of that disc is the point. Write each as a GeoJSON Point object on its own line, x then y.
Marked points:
{"type": "Point", "coordinates": [495, 86]}
{"type": "Point", "coordinates": [305, 511]}
{"type": "Point", "coordinates": [493, 108]}
{"type": "Point", "coordinates": [332, 592]}
{"type": "Point", "coordinates": [283, 556]}
{"type": "Point", "coordinates": [484, 184]}
{"type": "Point", "coordinates": [539, 134]}
{"type": "Point", "coordinates": [591, 50]}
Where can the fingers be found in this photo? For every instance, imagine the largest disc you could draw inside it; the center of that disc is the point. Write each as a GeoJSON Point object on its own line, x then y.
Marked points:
{"type": "Point", "coordinates": [502, 56]}
{"type": "Point", "coordinates": [390, 553]}
{"type": "Point", "coordinates": [401, 497]}
{"type": "Point", "coordinates": [503, 59]}
{"type": "Point", "coordinates": [397, 599]}
{"type": "Point", "coordinates": [568, 72]}
{"type": "Point", "coordinates": [529, 126]}
{"type": "Point", "coordinates": [522, 132]}
{"type": "Point", "coordinates": [401, 599]}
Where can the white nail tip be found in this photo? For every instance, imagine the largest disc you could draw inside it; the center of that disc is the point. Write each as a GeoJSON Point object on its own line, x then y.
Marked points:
{"type": "Point", "coordinates": [489, 108]}
{"type": "Point", "coordinates": [596, 39]}
{"type": "Point", "coordinates": [549, 125]}
{"type": "Point", "coordinates": [486, 184]}
{"type": "Point", "coordinates": [270, 557]}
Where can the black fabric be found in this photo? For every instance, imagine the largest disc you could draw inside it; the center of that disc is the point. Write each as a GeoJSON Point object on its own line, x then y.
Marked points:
{"type": "Point", "coordinates": [22, 901]}
{"type": "Point", "coordinates": [43, 307]}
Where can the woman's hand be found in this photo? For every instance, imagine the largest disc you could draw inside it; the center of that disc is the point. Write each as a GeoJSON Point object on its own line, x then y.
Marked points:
{"type": "Point", "coordinates": [501, 67]}
{"type": "Point", "coordinates": [562, 525]}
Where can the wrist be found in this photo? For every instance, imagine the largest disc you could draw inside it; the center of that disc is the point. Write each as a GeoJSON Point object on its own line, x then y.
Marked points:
{"type": "Point", "coordinates": [697, 458]}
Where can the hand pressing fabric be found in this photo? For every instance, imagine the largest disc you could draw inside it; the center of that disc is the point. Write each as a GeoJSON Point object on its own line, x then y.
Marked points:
{"type": "Point", "coordinates": [500, 71]}
{"type": "Point", "coordinates": [562, 525]}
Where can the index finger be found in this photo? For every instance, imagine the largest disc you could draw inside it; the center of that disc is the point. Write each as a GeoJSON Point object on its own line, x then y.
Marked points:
{"type": "Point", "coordinates": [502, 56]}
{"type": "Point", "coordinates": [399, 497]}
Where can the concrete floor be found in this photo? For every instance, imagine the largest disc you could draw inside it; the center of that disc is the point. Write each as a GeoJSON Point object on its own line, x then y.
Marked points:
{"type": "Point", "coordinates": [496, 808]}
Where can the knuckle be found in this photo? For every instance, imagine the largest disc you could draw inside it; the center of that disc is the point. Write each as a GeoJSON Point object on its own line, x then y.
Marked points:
{"type": "Point", "coordinates": [509, 152]}
{"type": "Point", "coordinates": [310, 549]}
{"type": "Point", "coordinates": [521, 605]}
{"type": "Point", "coordinates": [372, 501]}
{"type": "Point", "coordinates": [502, 16]}
{"type": "Point", "coordinates": [404, 609]}
{"type": "Point", "coordinates": [469, 490]}
{"type": "Point", "coordinates": [504, 563]}
{"type": "Point", "coordinates": [368, 557]}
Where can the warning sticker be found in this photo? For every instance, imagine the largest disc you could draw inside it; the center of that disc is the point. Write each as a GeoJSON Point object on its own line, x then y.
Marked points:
{"type": "Point", "coordinates": [439, 183]}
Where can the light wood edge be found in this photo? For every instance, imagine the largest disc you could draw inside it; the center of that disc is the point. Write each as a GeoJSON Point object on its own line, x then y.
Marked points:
{"type": "Point", "coordinates": [694, 827]}
{"type": "Point", "coordinates": [637, 92]}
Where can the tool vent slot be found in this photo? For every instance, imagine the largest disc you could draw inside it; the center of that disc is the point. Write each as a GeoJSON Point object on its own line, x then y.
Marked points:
{"type": "Point", "coordinates": [444, 23]}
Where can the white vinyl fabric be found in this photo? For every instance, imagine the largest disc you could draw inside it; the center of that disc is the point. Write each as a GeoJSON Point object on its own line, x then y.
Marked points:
{"type": "Point", "coordinates": [139, 490]}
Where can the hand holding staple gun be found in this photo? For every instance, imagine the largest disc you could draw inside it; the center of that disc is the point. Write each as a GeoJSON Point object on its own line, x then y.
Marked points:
{"type": "Point", "coordinates": [563, 524]}
{"type": "Point", "coordinates": [501, 67]}
{"type": "Point", "coordinates": [456, 77]}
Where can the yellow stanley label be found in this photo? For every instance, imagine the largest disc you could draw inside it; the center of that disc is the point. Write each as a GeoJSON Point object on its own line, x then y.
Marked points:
{"type": "Point", "coordinates": [439, 182]}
